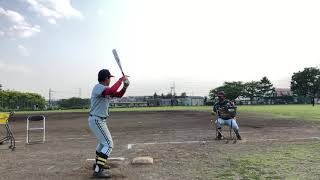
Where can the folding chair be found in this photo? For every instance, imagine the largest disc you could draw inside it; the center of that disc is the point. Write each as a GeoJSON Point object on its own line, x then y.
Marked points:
{"type": "Point", "coordinates": [232, 135]}
{"type": "Point", "coordinates": [4, 120]}
{"type": "Point", "coordinates": [31, 120]}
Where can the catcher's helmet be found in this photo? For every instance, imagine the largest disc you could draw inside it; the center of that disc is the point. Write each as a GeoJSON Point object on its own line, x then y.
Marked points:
{"type": "Point", "coordinates": [221, 93]}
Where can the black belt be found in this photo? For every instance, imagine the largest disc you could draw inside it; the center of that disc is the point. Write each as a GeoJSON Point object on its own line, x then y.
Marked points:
{"type": "Point", "coordinates": [98, 116]}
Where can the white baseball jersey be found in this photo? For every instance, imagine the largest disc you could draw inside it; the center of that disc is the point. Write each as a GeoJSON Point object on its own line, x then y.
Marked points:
{"type": "Point", "coordinates": [99, 104]}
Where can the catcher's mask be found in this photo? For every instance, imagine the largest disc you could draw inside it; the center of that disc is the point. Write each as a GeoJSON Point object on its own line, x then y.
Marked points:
{"type": "Point", "coordinates": [221, 95]}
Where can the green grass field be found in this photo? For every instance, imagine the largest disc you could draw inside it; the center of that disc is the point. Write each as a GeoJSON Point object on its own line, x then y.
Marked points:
{"type": "Point", "coordinates": [300, 112]}
{"type": "Point", "coordinates": [296, 161]}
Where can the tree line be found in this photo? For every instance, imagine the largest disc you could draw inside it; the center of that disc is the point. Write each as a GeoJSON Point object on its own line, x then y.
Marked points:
{"type": "Point", "coordinates": [304, 85]}
{"type": "Point", "coordinates": [14, 100]}
{"type": "Point", "coordinates": [261, 90]}
{"type": "Point", "coordinates": [73, 103]}
{"type": "Point", "coordinates": [23, 101]}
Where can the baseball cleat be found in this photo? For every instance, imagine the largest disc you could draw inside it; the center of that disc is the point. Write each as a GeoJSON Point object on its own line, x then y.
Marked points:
{"type": "Point", "coordinates": [219, 137]}
{"type": "Point", "coordinates": [103, 167]}
{"type": "Point", "coordinates": [238, 135]}
{"type": "Point", "coordinates": [101, 175]}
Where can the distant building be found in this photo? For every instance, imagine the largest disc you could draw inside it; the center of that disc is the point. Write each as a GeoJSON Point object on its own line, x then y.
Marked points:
{"type": "Point", "coordinates": [134, 101]}
{"type": "Point", "coordinates": [131, 101]}
{"type": "Point", "coordinates": [191, 101]}
{"type": "Point", "coordinates": [283, 92]}
{"type": "Point", "coordinates": [166, 102]}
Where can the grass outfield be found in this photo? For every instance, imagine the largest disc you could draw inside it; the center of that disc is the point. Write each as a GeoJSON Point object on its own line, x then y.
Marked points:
{"type": "Point", "coordinates": [303, 112]}
{"type": "Point", "coordinates": [297, 161]}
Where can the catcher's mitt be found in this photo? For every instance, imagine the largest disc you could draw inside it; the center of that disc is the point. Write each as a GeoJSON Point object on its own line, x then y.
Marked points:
{"type": "Point", "coordinates": [227, 112]}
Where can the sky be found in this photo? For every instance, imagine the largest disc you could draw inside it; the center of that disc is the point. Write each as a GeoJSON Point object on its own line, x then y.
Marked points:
{"type": "Point", "coordinates": [194, 45]}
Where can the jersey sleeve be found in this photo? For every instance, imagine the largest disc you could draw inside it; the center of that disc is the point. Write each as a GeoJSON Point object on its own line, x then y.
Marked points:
{"type": "Point", "coordinates": [98, 90]}
{"type": "Point", "coordinates": [111, 91]}
{"type": "Point", "coordinates": [120, 93]}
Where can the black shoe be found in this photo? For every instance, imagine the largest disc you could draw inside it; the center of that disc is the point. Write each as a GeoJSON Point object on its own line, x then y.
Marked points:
{"type": "Point", "coordinates": [238, 135]}
{"type": "Point", "coordinates": [219, 137]}
{"type": "Point", "coordinates": [101, 175]}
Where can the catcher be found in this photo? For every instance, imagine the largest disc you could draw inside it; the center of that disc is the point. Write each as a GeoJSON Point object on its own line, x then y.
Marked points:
{"type": "Point", "coordinates": [226, 112]}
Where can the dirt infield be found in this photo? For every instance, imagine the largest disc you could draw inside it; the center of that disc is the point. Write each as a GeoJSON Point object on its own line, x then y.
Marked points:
{"type": "Point", "coordinates": [181, 143]}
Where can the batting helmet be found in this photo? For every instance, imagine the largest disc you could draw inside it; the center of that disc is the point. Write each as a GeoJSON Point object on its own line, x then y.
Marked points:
{"type": "Point", "coordinates": [104, 74]}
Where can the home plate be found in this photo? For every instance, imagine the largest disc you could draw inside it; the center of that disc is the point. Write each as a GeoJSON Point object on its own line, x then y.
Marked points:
{"type": "Point", "coordinates": [114, 162]}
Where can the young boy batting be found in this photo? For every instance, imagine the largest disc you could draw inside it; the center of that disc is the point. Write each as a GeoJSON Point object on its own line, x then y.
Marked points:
{"type": "Point", "coordinates": [99, 112]}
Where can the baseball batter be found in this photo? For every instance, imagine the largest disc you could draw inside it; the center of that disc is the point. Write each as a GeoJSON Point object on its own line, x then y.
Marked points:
{"type": "Point", "coordinates": [99, 112]}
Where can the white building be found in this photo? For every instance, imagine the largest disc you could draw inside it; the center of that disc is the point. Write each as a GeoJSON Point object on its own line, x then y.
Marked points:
{"type": "Point", "coordinates": [191, 101]}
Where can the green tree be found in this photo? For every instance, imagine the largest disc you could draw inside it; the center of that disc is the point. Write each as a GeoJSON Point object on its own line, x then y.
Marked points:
{"type": "Point", "coordinates": [265, 89]}
{"type": "Point", "coordinates": [184, 94]}
{"type": "Point", "coordinates": [74, 103]}
{"type": "Point", "coordinates": [14, 100]}
{"type": "Point", "coordinates": [169, 95]}
{"type": "Point", "coordinates": [155, 95]}
{"type": "Point", "coordinates": [251, 90]}
{"type": "Point", "coordinates": [232, 90]}
{"type": "Point", "coordinates": [306, 83]}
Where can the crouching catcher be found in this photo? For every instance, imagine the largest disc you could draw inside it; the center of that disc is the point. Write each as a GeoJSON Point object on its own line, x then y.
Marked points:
{"type": "Point", "coordinates": [226, 113]}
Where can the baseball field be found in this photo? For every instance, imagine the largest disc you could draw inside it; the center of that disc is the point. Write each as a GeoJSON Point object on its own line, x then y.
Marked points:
{"type": "Point", "coordinates": [279, 142]}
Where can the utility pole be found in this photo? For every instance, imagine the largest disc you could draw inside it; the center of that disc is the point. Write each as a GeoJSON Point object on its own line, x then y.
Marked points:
{"type": "Point", "coordinates": [173, 92]}
{"type": "Point", "coordinates": [173, 89]}
{"type": "Point", "coordinates": [1, 96]}
{"type": "Point", "coordinates": [50, 97]}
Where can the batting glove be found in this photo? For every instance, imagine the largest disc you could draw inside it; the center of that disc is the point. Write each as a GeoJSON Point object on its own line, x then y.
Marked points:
{"type": "Point", "coordinates": [126, 82]}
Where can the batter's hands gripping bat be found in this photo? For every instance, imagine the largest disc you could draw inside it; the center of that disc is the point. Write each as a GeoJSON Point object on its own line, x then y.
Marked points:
{"type": "Point", "coordinates": [116, 57]}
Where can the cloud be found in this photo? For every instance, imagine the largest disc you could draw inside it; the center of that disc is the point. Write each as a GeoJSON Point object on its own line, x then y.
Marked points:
{"type": "Point", "coordinates": [18, 26]}
{"type": "Point", "coordinates": [15, 68]}
{"type": "Point", "coordinates": [52, 21]}
{"type": "Point", "coordinates": [23, 51]}
{"type": "Point", "coordinates": [54, 8]}
{"type": "Point", "coordinates": [23, 31]}
{"type": "Point", "coordinates": [12, 16]}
